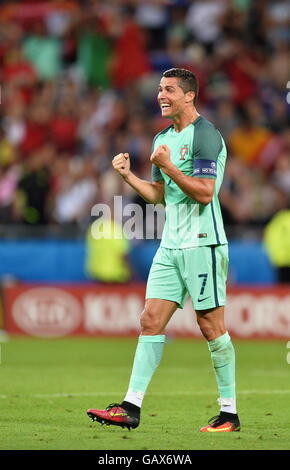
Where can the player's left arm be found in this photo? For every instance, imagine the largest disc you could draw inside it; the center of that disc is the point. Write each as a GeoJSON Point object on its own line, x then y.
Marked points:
{"type": "Point", "coordinates": [199, 189]}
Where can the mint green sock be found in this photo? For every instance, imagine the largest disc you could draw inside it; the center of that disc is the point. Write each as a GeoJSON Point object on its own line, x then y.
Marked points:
{"type": "Point", "coordinates": [223, 360]}
{"type": "Point", "coordinates": [147, 358]}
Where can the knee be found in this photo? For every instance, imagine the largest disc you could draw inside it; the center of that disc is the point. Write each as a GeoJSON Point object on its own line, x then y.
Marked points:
{"type": "Point", "coordinates": [150, 321]}
{"type": "Point", "coordinates": [210, 330]}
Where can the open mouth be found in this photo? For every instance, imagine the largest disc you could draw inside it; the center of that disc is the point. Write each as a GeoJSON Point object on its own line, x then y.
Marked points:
{"type": "Point", "coordinates": [165, 106]}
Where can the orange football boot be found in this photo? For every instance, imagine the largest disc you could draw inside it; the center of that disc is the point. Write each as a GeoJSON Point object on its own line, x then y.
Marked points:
{"type": "Point", "coordinates": [224, 422]}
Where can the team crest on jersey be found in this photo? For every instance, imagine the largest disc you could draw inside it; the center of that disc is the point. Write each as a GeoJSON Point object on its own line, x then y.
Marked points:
{"type": "Point", "coordinates": [183, 152]}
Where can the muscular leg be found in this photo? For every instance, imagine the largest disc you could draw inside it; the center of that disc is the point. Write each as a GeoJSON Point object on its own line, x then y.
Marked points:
{"type": "Point", "coordinates": [211, 323]}
{"type": "Point", "coordinates": [154, 318]}
{"type": "Point", "coordinates": [156, 315]}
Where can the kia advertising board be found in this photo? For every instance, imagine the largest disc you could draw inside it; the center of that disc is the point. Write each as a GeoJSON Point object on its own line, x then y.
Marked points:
{"type": "Point", "coordinates": [97, 310]}
{"type": "Point", "coordinates": [47, 312]}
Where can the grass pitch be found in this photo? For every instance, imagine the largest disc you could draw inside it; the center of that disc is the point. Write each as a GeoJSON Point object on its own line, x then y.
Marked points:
{"type": "Point", "coordinates": [47, 385]}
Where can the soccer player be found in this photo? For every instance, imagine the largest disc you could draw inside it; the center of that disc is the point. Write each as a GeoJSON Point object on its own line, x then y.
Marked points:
{"type": "Point", "coordinates": [188, 161]}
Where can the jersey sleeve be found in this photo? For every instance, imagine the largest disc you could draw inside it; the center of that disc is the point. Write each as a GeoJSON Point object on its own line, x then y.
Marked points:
{"type": "Point", "coordinates": [207, 147]}
{"type": "Point", "coordinates": [156, 173]}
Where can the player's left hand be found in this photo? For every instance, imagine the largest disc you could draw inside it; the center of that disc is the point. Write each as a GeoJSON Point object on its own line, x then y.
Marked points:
{"type": "Point", "coordinates": [161, 156]}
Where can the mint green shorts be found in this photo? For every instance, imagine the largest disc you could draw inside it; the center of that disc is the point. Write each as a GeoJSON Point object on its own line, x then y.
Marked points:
{"type": "Point", "coordinates": [199, 272]}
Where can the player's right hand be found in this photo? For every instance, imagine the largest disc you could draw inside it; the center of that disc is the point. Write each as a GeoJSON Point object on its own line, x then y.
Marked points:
{"type": "Point", "coordinates": [121, 163]}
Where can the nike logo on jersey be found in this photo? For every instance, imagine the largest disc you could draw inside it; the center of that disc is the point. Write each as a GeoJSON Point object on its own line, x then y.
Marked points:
{"type": "Point", "coordinates": [201, 300]}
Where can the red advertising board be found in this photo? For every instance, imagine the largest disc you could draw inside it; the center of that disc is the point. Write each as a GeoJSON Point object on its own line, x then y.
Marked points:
{"type": "Point", "coordinates": [114, 310]}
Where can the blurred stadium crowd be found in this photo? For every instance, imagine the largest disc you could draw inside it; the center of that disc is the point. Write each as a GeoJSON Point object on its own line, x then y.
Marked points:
{"type": "Point", "coordinates": [79, 82]}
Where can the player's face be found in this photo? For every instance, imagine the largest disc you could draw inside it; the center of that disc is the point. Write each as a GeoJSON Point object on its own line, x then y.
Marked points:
{"type": "Point", "coordinates": [171, 97]}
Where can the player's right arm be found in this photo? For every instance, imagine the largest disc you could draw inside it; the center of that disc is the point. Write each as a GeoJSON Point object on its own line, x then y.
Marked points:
{"type": "Point", "coordinates": [152, 192]}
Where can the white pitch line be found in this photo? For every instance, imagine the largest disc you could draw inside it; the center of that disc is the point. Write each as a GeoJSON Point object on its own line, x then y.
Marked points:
{"type": "Point", "coordinates": [103, 394]}
{"type": "Point", "coordinates": [266, 373]}
{"type": "Point", "coordinates": [264, 392]}
{"type": "Point", "coordinates": [60, 395]}
{"type": "Point", "coordinates": [161, 394]}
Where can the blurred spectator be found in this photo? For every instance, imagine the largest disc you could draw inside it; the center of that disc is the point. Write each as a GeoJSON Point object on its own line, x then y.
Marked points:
{"type": "Point", "coordinates": [203, 21]}
{"type": "Point", "coordinates": [43, 51]}
{"type": "Point", "coordinates": [279, 65]}
{"type": "Point", "coordinates": [248, 139]}
{"type": "Point", "coordinates": [31, 203]}
{"type": "Point", "coordinates": [11, 37]}
{"type": "Point", "coordinates": [94, 53]}
{"type": "Point", "coordinates": [243, 67]}
{"type": "Point", "coordinates": [226, 117]}
{"type": "Point", "coordinates": [36, 129]}
{"type": "Point", "coordinates": [177, 27]}
{"type": "Point", "coordinates": [100, 116]}
{"type": "Point", "coordinates": [9, 174]}
{"type": "Point", "coordinates": [130, 58]}
{"type": "Point", "coordinates": [152, 16]}
{"type": "Point", "coordinates": [18, 73]}
{"type": "Point", "coordinates": [7, 151]}
{"type": "Point", "coordinates": [14, 122]}
{"type": "Point", "coordinates": [255, 24]}
{"type": "Point", "coordinates": [278, 144]}
{"type": "Point", "coordinates": [57, 19]}
{"type": "Point", "coordinates": [64, 125]}
{"type": "Point", "coordinates": [245, 199]}
{"type": "Point", "coordinates": [277, 243]}
{"type": "Point", "coordinates": [281, 173]}
{"type": "Point", "coordinates": [277, 20]}
{"type": "Point", "coordinates": [76, 194]}
{"type": "Point", "coordinates": [135, 141]}
{"type": "Point", "coordinates": [106, 251]}
{"type": "Point", "coordinates": [234, 19]}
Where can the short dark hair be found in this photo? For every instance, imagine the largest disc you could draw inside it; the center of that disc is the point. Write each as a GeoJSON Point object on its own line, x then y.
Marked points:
{"type": "Point", "coordinates": [187, 80]}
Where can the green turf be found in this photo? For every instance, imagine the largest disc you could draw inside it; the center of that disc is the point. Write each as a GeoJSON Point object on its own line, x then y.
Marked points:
{"type": "Point", "coordinates": [180, 399]}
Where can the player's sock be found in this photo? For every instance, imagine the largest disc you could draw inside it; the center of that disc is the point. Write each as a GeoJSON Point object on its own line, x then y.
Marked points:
{"type": "Point", "coordinates": [147, 358]}
{"type": "Point", "coordinates": [223, 359]}
{"type": "Point", "coordinates": [228, 405]}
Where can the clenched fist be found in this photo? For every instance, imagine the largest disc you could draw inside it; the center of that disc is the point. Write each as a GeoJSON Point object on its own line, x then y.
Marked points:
{"type": "Point", "coordinates": [161, 156]}
{"type": "Point", "coordinates": [121, 164]}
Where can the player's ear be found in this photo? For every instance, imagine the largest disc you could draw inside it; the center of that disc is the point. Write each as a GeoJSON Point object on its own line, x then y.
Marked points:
{"type": "Point", "coordinates": [190, 95]}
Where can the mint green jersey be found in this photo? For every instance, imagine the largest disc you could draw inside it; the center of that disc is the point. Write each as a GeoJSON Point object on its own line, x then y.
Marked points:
{"type": "Point", "coordinates": [198, 151]}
